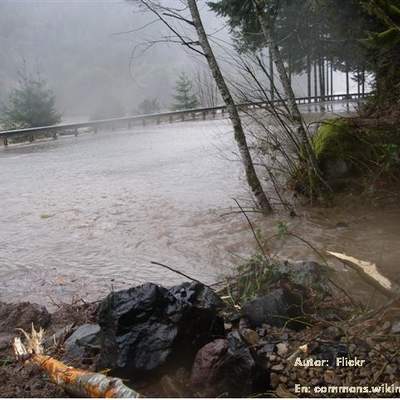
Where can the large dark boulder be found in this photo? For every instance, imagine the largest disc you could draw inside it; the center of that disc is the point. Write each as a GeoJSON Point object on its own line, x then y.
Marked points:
{"type": "Point", "coordinates": [145, 327]}
{"type": "Point", "coordinates": [227, 367]}
{"type": "Point", "coordinates": [278, 308]}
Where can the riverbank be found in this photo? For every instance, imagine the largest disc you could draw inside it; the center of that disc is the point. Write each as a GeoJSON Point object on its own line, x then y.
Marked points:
{"type": "Point", "coordinates": [295, 329]}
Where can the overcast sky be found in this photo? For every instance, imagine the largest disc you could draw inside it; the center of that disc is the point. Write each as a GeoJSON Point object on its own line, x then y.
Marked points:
{"type": "Point", "coordinates": [80, 48]}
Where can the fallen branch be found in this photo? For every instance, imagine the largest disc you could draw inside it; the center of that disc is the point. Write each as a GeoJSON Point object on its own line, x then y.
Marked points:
{"type": "Point", "coordinates": [368, 273]}
{"type": "Point", "coordinates": [77, 382]}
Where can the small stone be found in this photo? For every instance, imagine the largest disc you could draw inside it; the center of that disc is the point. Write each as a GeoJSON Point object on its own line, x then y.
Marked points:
{"type": "Point", "coordinates": [283, 379]}
{"type": "Point", "coordinates": [282, 349]}
{"type": "Point", "coordinates": [329, 376]}
{"type": "Point", "coordinates": [261, 331]}
{"type": "Point", "coordinates": [386, 326]}
{"type": "Point", "coordinates": [274, 379]}
{"type": "Point", "coordinates": [278, 367]}
{"type": "Point", "coordinates": [268, 348]}
{"type": "Point", "coordinates": [227, 326]}
{"type": "Point", "coordinates": [395, 328]}
{"type": "Point", "coordinates": [249, 336]}
{"type": "Point", "coordinates": [243, 323]}
{"type": "Point", "coordinates": [332, 332]}
{"type": "Point", "coordinates": [5, 341]}
{"type": "Point", "coordinates": [390, 369]}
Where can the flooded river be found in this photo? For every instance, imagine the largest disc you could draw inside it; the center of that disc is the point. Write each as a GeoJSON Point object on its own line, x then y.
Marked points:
{"type": "Point", "coordinates": [82, 215]}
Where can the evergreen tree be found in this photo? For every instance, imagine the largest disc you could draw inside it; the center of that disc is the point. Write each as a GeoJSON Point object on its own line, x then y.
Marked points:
{"type": "Point", "coordinates": [184, 97]}
{"type": "Point", "coordinates": [31, 104]}
{"type": "Point", "coordinates": [149, 106]}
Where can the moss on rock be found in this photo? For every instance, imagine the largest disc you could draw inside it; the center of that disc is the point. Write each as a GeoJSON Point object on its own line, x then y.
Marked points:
{"type": "Point", "coordinates": [335, 141]}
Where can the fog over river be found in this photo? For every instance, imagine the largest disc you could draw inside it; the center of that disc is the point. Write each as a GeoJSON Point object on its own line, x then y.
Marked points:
{"type": "Point", "coordinates": [81, 215]}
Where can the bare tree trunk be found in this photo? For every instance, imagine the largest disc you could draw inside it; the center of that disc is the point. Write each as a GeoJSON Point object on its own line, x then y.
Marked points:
{"type": "Point", "coordinates": [271, 74]}
{"type": "Point", "coordinates": [315, 80]}
{"type": "Point", "coordinates": [327, 79]}
{"type": "Point", "coordinates": [322, 78]}
{"type": "Point", "coordinates": [308, 78]}
{"type": "Point", "coordinates": [234, 116]}
{"type": "Point", "coordinates": [332, 92]}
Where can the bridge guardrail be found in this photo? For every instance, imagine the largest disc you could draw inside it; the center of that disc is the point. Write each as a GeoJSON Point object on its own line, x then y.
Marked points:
{"type": "Point", "coordinates": [170, 116]}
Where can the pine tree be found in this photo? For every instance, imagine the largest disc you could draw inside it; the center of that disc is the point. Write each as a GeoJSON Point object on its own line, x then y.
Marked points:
{"type": "Point", "coordinates": [184, 98]}
{"type": "Point", "coordinates": [31, 104]}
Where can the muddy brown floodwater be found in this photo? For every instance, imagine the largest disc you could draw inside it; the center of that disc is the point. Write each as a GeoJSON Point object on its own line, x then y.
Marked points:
{"type": "Point", "coordinates": [82, 215]}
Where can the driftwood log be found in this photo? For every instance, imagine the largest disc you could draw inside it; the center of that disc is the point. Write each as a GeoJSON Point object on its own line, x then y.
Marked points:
{"type": "Point", "coordinates": [74, 381]}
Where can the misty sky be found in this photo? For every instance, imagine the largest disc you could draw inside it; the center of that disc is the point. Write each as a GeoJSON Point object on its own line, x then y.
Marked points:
{"type": "Point", "coordinates": [80, 48]}
{"type": "Point", "coordinates": [77, 45]}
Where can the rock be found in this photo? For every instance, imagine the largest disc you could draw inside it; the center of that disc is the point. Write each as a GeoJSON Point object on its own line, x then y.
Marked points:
{"type": "Point", "coordinates": [268, 348]}
{"type": "Point", "coordinates": [144, 327]}
{"type": "Point", "coordinates": [395, 328]}
{"type": "Point", "coordinates": [386, 326]}
{"type": "Point", "coordinates": [282, 349]}
{"type": "Point", "coordinates": [276, 308]}
{"type": "Point", "coordinates": [332, 332]}
{"type": "Point", "coordinates": [5, 341]}
{"type": "Point", "coordinates": [275, 380]}
{"type": "Point", "coordinates": [227, 326]}
{"type": "Point", "coordinates": [336, 169]}
{"type": "Point", "coordinates": [243, 323]}
{"type": "Point", "coordinates": [227, 366]}
{"type": "Point", "coordinates": [86, 337]}
{"type": "Point", "coordinates": [23, 315]}
{"type": "Point", "coordinates": [249, 336]}
{"type": "Point", "coordinates": [390, 369]}
{"type": "Point", "coordinates": [278, 367]}
{"type": "Point", "coordinates": [329, 376]}
{"type": "Point", "coordinates": [207, 363]}
{"type": "Point", "coordinates": [283, 378]}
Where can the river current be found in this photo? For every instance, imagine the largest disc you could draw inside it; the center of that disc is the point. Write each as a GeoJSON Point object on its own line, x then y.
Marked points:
{"type": "Point", "coordinates": [82, 215]}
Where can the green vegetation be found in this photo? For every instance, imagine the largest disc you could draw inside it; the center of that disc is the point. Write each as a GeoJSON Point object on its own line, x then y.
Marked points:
{"type": "Point", "coordinates": [30, 104]}
{"type": "Point", "coordinates": [184, 97]}
{"type": "Point", "coordinates": [358, 37]}
{"type": "Point", "coordinates": [367, 151]}
{"type": "Point", "coordinates": [334, 141]}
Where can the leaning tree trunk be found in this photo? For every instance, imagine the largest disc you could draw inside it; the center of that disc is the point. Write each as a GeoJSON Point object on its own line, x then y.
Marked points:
{"type": "Point", "coordinates": [267, 30]}
{"type": "Point", "coordinates": [233, 113]}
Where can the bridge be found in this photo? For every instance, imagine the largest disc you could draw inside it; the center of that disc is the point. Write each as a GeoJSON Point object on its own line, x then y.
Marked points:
{"type": "Point", "coordinates": [30, 134]}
